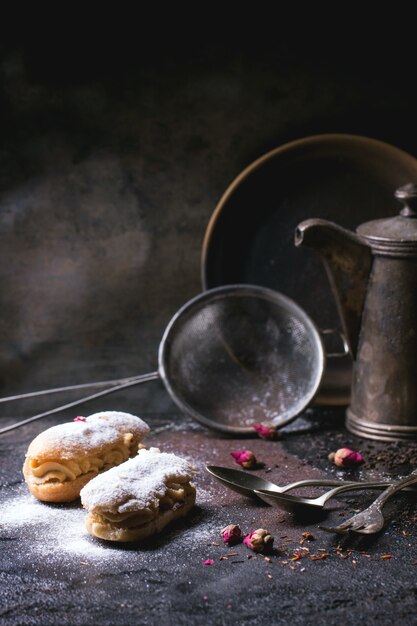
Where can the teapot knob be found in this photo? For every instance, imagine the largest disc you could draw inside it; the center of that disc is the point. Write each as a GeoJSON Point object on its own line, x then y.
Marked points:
{"type": "Point", "coordinates": [407, 194]}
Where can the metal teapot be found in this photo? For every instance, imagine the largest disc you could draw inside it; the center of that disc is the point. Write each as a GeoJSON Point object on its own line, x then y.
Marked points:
{"type": "Point", "coordinates": [373, 275]}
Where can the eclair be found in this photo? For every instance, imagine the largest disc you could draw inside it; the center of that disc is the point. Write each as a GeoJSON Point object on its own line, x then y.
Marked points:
{"type": "Point", "coordinates": [140, 497]}
{"type": "Point", "coordinates": [61, 460]}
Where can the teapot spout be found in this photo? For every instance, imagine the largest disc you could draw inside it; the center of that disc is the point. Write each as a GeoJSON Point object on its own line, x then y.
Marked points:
{"type": "Point", "coordinates": [347, 259]}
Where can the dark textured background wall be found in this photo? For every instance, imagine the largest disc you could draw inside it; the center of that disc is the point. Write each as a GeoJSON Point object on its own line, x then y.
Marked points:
{"type": "Point", "coordinates": [113, 157]}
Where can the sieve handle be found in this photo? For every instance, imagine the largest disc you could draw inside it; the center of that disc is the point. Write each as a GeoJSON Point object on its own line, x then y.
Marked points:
{"type": "Point", "coordinates": [46, 392]}
{"type": "Point", "coordinates": [127, 383]}
{"type": "Point", "coordinates": [336, 331]}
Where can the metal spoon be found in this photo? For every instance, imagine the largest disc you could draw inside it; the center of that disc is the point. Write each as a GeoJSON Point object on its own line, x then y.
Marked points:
{"type": "Point", "coordinates": [249, 484]}
{"type": "Point", "coordinates": [298, 503]}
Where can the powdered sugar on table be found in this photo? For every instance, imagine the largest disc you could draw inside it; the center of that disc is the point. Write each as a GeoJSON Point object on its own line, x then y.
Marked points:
{"type": "Point", "coordinates": [56, 533]}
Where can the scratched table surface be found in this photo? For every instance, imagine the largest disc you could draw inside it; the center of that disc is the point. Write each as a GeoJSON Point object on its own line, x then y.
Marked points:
{"type": "Point", "coordinates": [53, 572]}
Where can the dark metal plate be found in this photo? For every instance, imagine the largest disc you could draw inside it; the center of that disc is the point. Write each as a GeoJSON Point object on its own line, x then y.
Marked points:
{"type": "Point", "coordinates": [250, 238]}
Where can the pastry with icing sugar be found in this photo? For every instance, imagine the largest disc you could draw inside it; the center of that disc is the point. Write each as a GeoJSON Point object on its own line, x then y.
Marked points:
{"type": "Point", "coordinates": [61, 460]}
{"type": "Point", "coordinates": [139, 498]}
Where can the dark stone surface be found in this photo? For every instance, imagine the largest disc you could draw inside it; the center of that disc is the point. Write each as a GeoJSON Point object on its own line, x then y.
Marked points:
{"type": "Point", "coordinates": [52, 572]}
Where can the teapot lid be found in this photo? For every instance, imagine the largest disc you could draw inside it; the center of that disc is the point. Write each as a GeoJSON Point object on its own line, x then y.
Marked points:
{"type": "Point", "coordinates": [395, 234]}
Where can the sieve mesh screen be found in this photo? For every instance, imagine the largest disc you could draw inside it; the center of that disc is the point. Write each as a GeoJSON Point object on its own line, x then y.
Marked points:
{"type": "Point", "coordinates": [238, 356]}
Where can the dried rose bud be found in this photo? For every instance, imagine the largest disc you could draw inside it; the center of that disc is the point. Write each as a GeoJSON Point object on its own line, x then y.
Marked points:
{"type": "Point", "coordinates": [79, 418]}
{"type": "Point", "coordinates": [259, 540]}
{"type": "Point", "coordinates": [208, 562]}
{"type": "Point", "coordinates": [245, 458]}
{"type": "Point", "coordinates": [308, 536]}
{"type": "Point", "coordinates": [345, 458]}
{"type": "Point", "coordinates": [267, 431]}
{"type": "Point", "coordinates": [231, 534]}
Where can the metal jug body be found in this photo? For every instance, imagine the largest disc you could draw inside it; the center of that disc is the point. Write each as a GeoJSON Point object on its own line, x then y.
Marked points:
{"type": "Point", "coordinates": [384, 386]}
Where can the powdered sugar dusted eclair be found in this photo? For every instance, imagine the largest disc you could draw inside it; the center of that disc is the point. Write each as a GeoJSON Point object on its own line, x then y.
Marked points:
{"type": "Point", "coordinates": [64, 458]}
{"type": "Point", "coordinates": [139, 498]}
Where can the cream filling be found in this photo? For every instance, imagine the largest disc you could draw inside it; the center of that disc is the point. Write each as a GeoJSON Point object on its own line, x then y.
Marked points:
{"type": "Point", "coordinates": [174, 497]}
{"type": "Point", "coordinates": [65, 470]}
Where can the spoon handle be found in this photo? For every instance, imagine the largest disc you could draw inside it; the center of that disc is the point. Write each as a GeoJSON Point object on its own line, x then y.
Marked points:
{"type": "Point", "coordinates": [353, 487]}
{"type": "Point", "coordinates": [317, 482]}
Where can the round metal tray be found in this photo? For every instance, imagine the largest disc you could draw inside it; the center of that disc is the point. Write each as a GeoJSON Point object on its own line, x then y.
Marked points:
{"type": "Point", "coordinates": [348, 179]}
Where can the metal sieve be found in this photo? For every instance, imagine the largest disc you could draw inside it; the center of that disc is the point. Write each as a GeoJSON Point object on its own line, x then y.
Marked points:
{"type": "Point", "coordinates": [231, 357]}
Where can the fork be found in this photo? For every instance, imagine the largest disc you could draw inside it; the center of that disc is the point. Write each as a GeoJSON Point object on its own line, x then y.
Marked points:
{"type": "Point", "coordinates": [371, 520]}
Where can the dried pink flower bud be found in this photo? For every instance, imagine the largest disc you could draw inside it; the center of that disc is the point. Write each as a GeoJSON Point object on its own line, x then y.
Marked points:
{"type": "Point", "coordinates": [231, 534]}
{"type": "Point", "coordinates": [266, 431]}
{"type": "Point", "coordinates": [245, 458]}
{"type": "Point", "coordinates": [259, 540]}
{"type": "Point", "coordinates": [344, 457]}
{"type": "Point", "coordinates": [79, 418]}
{"type": "Point", "coordinates": [208, 562]}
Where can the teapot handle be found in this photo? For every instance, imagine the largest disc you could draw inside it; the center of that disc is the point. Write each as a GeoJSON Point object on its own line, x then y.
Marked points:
{"type": "Point", "coordinates": [345, 343]}
{"type": "Point", "coordinates": [347, 259]}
